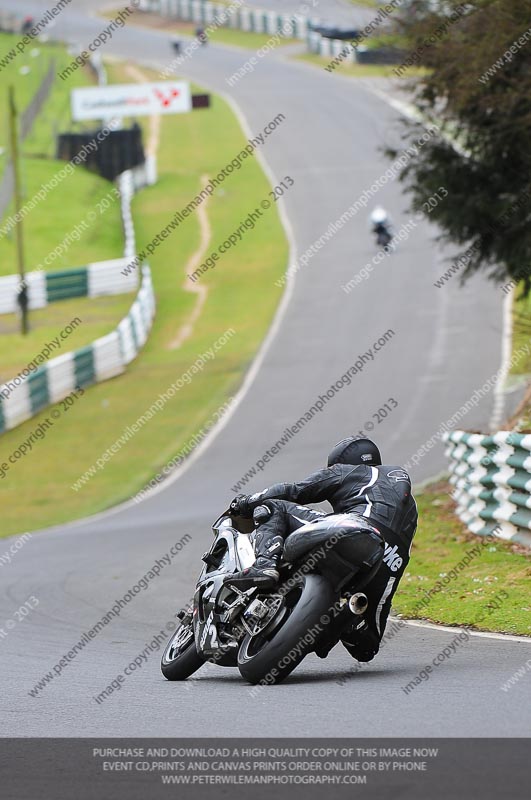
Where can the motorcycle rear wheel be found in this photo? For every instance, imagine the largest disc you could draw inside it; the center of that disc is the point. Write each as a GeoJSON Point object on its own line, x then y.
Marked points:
{"type": "Point", "coordinates": [180, 658]}
{"type": "Point", "coordinates": [270, 656]}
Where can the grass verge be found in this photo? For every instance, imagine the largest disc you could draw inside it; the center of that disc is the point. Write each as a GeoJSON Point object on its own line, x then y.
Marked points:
{"type": "Point", "coordinates": [442, 541]}
{"type": "Point", "coordinates": [70, 227]}
{"type": "Point", "coordinates": [68, 217]}
{"type": "Point", "coordinates": [26, 73]}
{"type": "Point", "coordinates": [521, 370]}
{"type": "Point", "coordinates": [27, 82]}
{"type": "Point", "coordinates": [366, 3]}
{"type": "Point", "coordinates": [188, 150]}
{"type": "Point", "coordinates": [521, 332]}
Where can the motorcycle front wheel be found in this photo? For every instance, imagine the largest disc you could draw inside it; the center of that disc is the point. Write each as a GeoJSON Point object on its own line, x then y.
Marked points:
{"type": "Point", "coordinates": [270, 656]}
{"type": "Point", "coordinates": [180, 658]}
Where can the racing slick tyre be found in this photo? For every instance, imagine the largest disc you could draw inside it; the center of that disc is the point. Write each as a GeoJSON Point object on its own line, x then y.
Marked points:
{"type": "Point", "coordinates": [180, 658]}
{"type": "Point", "coordinates": [271, 655]}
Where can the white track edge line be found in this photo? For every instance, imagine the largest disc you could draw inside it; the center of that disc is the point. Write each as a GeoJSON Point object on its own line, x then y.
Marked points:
{"type": "Point", "coordinates": [506, 637]}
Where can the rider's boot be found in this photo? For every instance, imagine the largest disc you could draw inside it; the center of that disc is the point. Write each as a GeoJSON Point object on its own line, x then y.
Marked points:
{"type": "Point", "coordinates": [264, 572]}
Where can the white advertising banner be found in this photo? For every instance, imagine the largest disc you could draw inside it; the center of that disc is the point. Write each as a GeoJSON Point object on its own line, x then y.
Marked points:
{"type": "Point", "coordinates": [131, 100]}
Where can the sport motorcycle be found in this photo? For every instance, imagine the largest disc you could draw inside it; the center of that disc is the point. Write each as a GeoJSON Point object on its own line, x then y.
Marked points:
{"type": "Point", "coordinates": [267, 633]}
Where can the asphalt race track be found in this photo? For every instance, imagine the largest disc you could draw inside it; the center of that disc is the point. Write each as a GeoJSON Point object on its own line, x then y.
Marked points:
{"type": "Point", "coordinates": [446, 343]}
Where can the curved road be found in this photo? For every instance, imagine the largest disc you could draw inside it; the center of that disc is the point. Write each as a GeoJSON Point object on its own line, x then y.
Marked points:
{"type": "Point", "coordinates": [446, 342]}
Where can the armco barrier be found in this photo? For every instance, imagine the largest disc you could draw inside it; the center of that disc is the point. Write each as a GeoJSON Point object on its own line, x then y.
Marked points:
{"type": "Point", "coordinates": [102, 359]}
{"type": "Point", "coordinates": [94, 280]}
{"type": "Point", "coordinates": [255, 20]}
{"type": "Point", "coordinates": [322, 46]}
{"type": "Point", "coordinates": [492, 480]}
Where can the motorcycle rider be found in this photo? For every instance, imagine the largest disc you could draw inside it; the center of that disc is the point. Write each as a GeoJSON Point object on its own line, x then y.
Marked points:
{"type": "Point", "coordinates": [201, 35]}
{"type": "Point", "coordinates": [381, 225]}
{"type": "Point", "coordinates": [356, 483]}
{"type": "Point", "coordinates": [379, 219]}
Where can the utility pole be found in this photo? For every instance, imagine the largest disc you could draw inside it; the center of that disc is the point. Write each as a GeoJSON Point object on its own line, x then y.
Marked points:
{"type": "Point", "coordinates": [15, 160]}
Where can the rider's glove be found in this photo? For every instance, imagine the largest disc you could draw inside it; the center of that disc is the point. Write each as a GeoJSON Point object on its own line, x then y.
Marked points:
{"type": "Point", "coordinates": [242, 506]}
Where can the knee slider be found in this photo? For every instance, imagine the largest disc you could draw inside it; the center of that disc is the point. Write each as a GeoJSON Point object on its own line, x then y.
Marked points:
{"type": "Point", "coordinates": [269, 548]}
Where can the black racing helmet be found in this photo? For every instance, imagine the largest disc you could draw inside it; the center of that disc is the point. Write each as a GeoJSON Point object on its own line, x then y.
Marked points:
{"type": "Point", "coordinates": [355, 450]}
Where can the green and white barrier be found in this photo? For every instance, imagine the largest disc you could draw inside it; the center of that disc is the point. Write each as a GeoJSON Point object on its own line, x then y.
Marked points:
{"type": "Point", "coordinates": [321, 46]}
{"type": "Point", "coordinates": [332, 48]}
{"type": "Point", "coordinates": [10, 286]}
{"type": "Point", "coordinates": [102, 359]}
{"type": "Point", "coordinates": [205, 13]}
{"type": "Point", "coordinates": [491, 476]}
{"type": "Point", "coordinates": [134, 329]}
{"type": "Point", "coordinates": [94, 280]}
{"type": "Point", "coordinates": [128, 184]}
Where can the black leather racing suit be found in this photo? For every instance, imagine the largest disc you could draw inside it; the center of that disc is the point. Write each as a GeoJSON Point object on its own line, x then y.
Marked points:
{"type": "Point", "coordinates": [380, 494]}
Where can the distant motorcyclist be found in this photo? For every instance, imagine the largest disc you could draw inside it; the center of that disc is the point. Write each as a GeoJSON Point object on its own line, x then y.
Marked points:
{"type": "Point", "coordinates": [201, 35]}
{"type": "Point", "coordinates": [28, 24]}
{"type": "Point", "coordinates": [355, 483]}
{"type": "Point", "coordinates": [381, 226]}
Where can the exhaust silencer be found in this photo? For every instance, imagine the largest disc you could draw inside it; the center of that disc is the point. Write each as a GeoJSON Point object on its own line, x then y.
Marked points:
{"type": "Point", "coordinates": [358, 603]}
